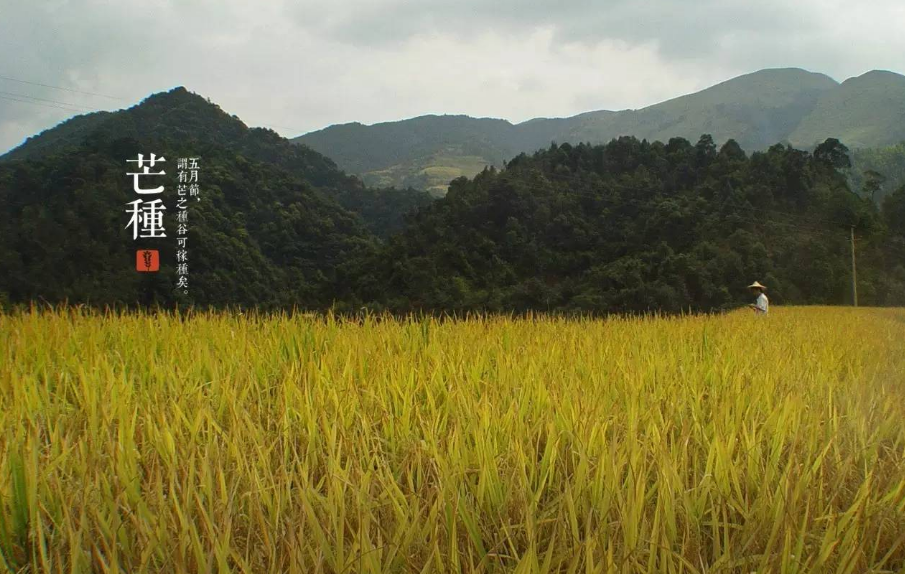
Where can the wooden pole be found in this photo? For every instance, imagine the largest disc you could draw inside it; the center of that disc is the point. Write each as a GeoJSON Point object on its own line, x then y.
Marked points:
{"type": "Point", "coordinates": [854, 270]}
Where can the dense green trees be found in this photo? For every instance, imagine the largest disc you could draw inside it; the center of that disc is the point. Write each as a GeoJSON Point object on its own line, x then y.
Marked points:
{"type": "Point", "coordinates": [259, 237]}
{"type": "Point", "coordinates": [757, 110]}
{"type": "Point", "coordinates": [634, 226]}
{"type": "Point", "coordinates": [888, 162]}
{"type": "Point", "coordinates": [276, 222]}
{"type": "Point", "coordinates": [627, 226]}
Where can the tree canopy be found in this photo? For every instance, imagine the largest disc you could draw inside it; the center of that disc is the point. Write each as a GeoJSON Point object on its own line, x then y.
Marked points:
{"type": "Point", "coordinates": [635, 226]}
{"type": "Point", "coordinates": [628, 226]}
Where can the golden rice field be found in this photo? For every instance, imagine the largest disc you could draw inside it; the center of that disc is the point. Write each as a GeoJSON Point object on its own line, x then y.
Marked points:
{"type": "Point", "coordinates": [225, 443]}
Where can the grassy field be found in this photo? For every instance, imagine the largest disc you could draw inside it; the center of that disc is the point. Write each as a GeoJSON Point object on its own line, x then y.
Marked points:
{"type": "Point", "coordinates": [432, 173]}
{"type": "Point", "coordinates": [217, 442]}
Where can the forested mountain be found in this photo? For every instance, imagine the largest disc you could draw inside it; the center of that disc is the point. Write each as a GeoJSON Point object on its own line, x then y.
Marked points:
{"type": "Point", "coordinates": [181, 116]}
{"type": "Point", "coordinates": [863, 112]}
{"type": "Point", "coordinates": [635, 226]}
{"type": "Point", "coordinates": [877, 172]}
{"type": "Point", "coordinates": [275, 223]}
{"type": "Point", "coordinates": [627, 226]}
{"type": "Point", "coordinates": [756, 110]}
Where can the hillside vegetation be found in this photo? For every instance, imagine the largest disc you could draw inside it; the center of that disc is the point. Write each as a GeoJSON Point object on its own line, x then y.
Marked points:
{"type": "Point", "coordinates": [623, 227]}
{"type": "Point", "coordinates": [179, 119]}
{"type": "Point", "coordinates": [863, 112]}
{"type": "Point", "coordinates": [756, 110]}
{"type": "Point", "coordinates": [635, 226]}
{"type": "Point", "coordinates": [276, 222]}
{"type": "Point", "coordinates": [887, 165]}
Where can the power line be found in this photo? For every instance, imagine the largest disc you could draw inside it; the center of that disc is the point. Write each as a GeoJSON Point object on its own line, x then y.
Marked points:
{"type": "Point", "coordinates": [60, 88]}
{"type": "Point", "coordinates": [298, 131]}
{"type": "Point", "coordinates": [39, 104]}
{"type": "Point", "coordinates": [74, 107]}
{"type": "Point", "coordinates": [806, 230]}
{"type": "Point", "coordinates": [734, 199]}
{"type": "Point", "coordinates": [12, 94]}
{"type": "Point", "coordinates": [621, 202]}
{"type": "Point", "coordinates": [785, 214]}
{"type": "Point", "coordinates": [738, 210]}
{"type": "Point", "coordinates": [809, 219]}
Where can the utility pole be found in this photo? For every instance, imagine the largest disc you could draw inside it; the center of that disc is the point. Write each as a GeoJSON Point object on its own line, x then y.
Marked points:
{"type": "Point", "coordinates": [854, 270]}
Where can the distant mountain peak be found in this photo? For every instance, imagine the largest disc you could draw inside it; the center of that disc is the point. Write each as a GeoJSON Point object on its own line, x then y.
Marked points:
{"type": "Point", "coordinates": [876, 77]}
{"type": "Point", "coordinates": [757, 110]}
{"type": "Point", "coordinates": [865, 111]}
{"type": "Point", "coordinates": [882, 73]}
{"type": "Point", "coordinates": [786, 71]}
{"type": "Point", "coordinates": [178, 94]}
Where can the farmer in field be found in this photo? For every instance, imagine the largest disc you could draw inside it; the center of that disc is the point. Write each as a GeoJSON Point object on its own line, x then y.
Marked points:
{"type": "Point", "coordinates": [762, 304]}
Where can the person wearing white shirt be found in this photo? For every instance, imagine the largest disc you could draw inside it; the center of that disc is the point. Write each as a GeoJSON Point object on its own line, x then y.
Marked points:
{"type": "Point", "coordinates": [762, 305]}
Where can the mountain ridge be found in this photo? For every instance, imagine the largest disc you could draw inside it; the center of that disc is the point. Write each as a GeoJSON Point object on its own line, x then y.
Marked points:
{"type": "Point", "coordinates": [757, 110]}
{"type": "Point", "coordinates": [627, 226]}
{"type": "Point", "coordinates": [204, 121]}
{"type": "Point", "coordinates": [273, 226]}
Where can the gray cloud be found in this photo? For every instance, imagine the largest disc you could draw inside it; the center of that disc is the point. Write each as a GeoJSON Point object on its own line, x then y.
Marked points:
{"type": "Point", "coordinates": [299, 66]}
{"type": "Point", "coordinates": [680, 27]}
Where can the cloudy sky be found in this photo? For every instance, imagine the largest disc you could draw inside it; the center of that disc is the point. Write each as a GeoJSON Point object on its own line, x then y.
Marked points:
{"type": "Point", "coordinates": [301, 65]}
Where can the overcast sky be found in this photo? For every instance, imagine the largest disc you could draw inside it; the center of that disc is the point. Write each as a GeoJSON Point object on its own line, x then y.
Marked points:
{"type": "Point", "coordinates": [298, 66]}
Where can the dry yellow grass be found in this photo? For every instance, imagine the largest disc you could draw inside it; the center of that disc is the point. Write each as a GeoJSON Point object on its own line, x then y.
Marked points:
{"type": "Point", "coordinates": [731, 443]}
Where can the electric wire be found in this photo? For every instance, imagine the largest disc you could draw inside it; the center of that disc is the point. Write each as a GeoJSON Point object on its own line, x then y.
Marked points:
{"type": "Point", "coordinates": [11, 79]}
